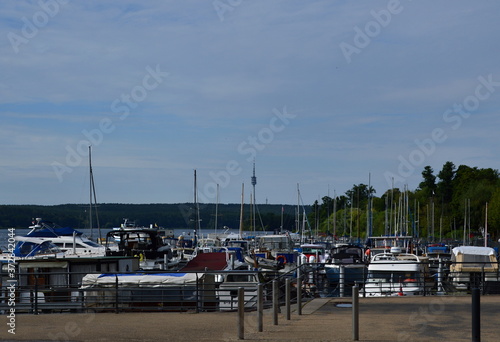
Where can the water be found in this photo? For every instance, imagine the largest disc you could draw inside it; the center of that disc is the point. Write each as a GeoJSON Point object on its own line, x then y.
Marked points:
{"type": "Point", "coordinates": [95, 233]}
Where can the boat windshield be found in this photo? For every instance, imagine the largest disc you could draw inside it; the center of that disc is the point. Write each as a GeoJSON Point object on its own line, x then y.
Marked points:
{"type": "Point", "coordinates": [394, 277]}
{"type": "Point", "coordinates": [92, 243]}
{"type": "Point", "coordinates": [312, 250]}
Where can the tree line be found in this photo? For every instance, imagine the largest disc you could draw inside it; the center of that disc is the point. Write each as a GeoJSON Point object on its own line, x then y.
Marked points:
{"type": "Point", "coordinates": [171, 216]}
{"type": "Point", "coordinates": [449, 204]}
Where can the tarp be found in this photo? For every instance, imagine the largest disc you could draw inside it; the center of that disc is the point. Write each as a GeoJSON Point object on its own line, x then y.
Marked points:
{"type": "Point", "coordinates": [215, 261]}
{"type": "Point", "coordinates": [139, 279]}
{"type": "Point", "coordinates": [474, 250]}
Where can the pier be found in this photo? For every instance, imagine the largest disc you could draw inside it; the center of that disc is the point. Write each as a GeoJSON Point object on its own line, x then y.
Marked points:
{"type": "Point", "coordinates": [417, 318]}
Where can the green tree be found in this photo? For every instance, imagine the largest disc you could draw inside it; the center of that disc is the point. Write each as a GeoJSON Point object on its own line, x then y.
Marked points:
{"type": "Point", "coordinates": [428, 185]}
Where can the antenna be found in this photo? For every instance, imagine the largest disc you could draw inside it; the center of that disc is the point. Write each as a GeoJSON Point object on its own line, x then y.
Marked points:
{"type": "Point", "coordinates": [254, 182]}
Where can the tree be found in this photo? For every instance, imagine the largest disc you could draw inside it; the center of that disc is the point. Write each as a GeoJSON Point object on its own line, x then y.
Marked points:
{"type": "Point", "coordinates": [445, 185]}
{"type": "Point", "coordinates": [428, 185]}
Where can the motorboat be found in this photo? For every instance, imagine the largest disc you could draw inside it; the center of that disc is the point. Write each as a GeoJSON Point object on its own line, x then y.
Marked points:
{"type": "Point", "coordinates": [32, 248]}
{"type": "Point", "coordinates": [70, 241]}
{"type": "Point", "coordinates": [345, 267]}
{"type": "Point", "coordinates": [144, 244]}
{"type": "Point", "coordinates": [474, 267]}
{"type": "Point", "coordinates": [398, 274]}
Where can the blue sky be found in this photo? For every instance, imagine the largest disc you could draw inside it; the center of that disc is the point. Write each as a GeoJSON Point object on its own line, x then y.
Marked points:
{"type": "Point", "coordinates": [324, 94]}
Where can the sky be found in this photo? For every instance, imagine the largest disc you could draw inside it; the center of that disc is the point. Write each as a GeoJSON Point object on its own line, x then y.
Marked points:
{"type": "Point", "coordinates": [320, 95]}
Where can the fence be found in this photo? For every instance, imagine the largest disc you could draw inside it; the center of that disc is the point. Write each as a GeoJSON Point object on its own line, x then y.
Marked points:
{"type": "Point", "coordinates": [52, 291]}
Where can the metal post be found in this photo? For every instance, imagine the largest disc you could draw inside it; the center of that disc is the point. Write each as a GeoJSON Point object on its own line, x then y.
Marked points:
{"type": "Point", "coordinates": [275, 302]}
{"type": "Point", "coordinates": [341, 280]}
{"type": "Point", "coordinates": [299, 296]}
{"type": "Point", "coordinates": [260, 307]}
{"type": "Point", "coordinates": [299, 287]}
{"type": "Point", "coordinates": [198, 299]}
{"type": "Point", "coordinates": [440, 277]}
{"type": "Point", "coordinates": [355, 313]}
{"type": "Point", "coordinates": [241, 313]}
{"type": "Point", "coordinates": [35, 296]}
{"type": "Point", "coordinates": [116, 293]}
{"type": "Point", "coordinates": [287, 298]}
{"type": "Point", "coordinates": [476, 315]}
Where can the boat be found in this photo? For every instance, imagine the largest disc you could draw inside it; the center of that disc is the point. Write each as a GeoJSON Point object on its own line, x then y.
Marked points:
{"type": "Point", "coordinates": [345, 267]}
{"type": "Point", "coordinates": [176, 291]}
{"type": "Point", "coordinates": [398, 274]}
{"type": "Point", "coordinates": [474, 267]}
{"type": "Point", "coordinates": [144, 244]}
{"type": "Point", "coordinates": [70, 241]}
{"type": "Point", "coordinates": [273, 252]}
{"type": "Point", "coordinates": [230, 282]}
{"type": "Point", "coordinates": [27, 248]}
{"type": "Point", "coordinates": [383, 244]}
{"type": "Point", "coordinates": [313, 253]}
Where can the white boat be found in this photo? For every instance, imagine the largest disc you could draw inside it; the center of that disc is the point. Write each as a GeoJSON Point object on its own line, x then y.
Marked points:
{"type": "Point", "coordinates": [313, 253]}
{"type": "Point", "coordinates": [27, 248]}
{"type": "Point", "coordinates": [70, 241]}
{"type": "Point", "coordinates": [473, 266]}
{"type": "Point", "coordinates": [397, 274]}
{"type": "Point", "coordinates": [231, 282]}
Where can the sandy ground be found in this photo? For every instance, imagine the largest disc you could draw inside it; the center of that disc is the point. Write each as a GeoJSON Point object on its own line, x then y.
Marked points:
{"type": "Point", "coordinates": [381, 319]}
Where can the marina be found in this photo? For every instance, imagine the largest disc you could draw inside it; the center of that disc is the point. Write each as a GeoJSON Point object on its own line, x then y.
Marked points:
{"type": "Point", "coordinates": [142, 271]}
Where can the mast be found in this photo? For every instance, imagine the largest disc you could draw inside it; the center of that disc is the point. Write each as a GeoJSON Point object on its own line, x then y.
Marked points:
{"type": "Point", "coordinates": [486, 227]}
{"type": "Point", "coordinates": [334, 213]}
{"type": "Point", "coordinates": [197, 208]}
{"type": "Point", "coordinates": [93, 200]}
{"type": "Point", "coordinates": [90, 193]}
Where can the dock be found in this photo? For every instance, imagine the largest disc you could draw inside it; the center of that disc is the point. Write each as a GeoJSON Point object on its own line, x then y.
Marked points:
{"type": "Point", "coordinates": [415, 318]}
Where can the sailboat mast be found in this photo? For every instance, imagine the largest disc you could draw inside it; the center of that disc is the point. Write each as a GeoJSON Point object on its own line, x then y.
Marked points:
{"type": "Point", "coordinates": [197, 208]}
{"type": "Point", "coordinates": [90, 193]}
{"type": "Point", "coordinates": [486, 227]}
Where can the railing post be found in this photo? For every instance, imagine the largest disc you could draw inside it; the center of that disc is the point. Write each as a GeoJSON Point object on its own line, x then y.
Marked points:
{"type": "Point", "coordinates": [275, 302]}
{"type": "Point", "coordinates": [241, 313]}
{"type": "Point", "coordinates": [341, 280]}
{"type": "Point", "coordinates": [476, 315]}
{"type": "Point", "coordinates": [260, 307]}
{"type": "Point", "coordinates": [116, 293]}
{"type": "Point", "coordinates": [35, 296]}
{"type": "Point", "coordinates": [198, 304]}
{"type": "Point", "coordinates": [299, 287]}
{"type": "Point", "coordinates": [355, 313]}
{"type": "Point", "coordinates": [287, 298]}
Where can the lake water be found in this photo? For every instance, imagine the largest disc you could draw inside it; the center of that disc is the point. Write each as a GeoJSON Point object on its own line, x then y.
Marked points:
{"type": "Point", "coordinates": [177, 232]}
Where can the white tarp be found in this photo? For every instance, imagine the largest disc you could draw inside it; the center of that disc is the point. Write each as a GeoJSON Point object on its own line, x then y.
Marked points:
{"type": "Point", "coordinates": [139, 280]}
{"type": "Point", "coordinates": [473, 250]}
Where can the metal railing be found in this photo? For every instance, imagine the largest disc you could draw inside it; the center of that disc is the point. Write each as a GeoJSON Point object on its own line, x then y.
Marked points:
{"type": "Point", "coordinates": [45, 292]}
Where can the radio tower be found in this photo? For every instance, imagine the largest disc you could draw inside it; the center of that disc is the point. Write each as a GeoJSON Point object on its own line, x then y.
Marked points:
{"type": "Point", "coordinates": [254, 182]}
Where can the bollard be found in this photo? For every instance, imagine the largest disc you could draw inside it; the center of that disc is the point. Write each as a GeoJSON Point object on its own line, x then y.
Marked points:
{"type": "Point", "coordinates": [260, 307]}
{"type": "Point", "coordinates": [276, 304]}
{"type": "Point", "coordinates": [476, 315]}
{"type": "Point", "coordinates": [241, 313]}
{"type": "Point", "coordinates": [287, 299]}
{"type": "Point", "coordinates": [355, 313]}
